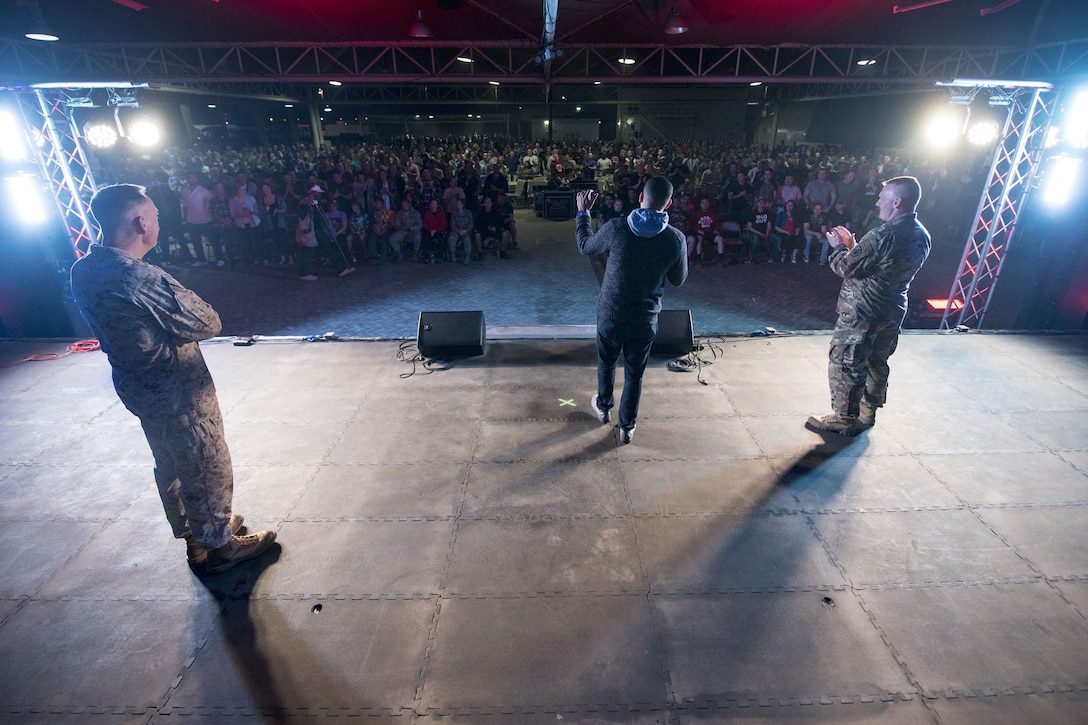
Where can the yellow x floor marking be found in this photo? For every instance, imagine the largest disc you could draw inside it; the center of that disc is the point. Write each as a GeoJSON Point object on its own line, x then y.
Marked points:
{"type": "Point", "coordinates": [564, 401]}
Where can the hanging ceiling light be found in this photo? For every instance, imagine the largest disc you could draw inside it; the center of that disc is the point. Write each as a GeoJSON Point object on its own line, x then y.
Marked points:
{"type": "Point", "coordinates": [38, 29]}
{"type": "Point", "coordinates": [678, 24]}
{"type": "Point", "coordinates": [419, 29]}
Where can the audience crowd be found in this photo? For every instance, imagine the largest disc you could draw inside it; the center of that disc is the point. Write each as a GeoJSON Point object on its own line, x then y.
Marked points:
{"type": "Point", "coordinates": [433, 200]}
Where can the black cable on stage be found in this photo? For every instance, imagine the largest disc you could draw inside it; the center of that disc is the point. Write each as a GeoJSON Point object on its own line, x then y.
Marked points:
{"type": "Point", "coordinates": [694, 361]}
{"type": "Point", "coordinates": [409, 353]}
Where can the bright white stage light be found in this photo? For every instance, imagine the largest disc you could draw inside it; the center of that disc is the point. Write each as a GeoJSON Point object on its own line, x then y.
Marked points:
{"type": "Point", "coordinates": [982, 133]}
{"type": "Point", "coordinates": [100, 135]}
{"type": "Point", "coordinates": [12, 144]}
{"type": "Point", "coordinates": [1076, 121]}
{"type": "Point", "coordinates": [24, 197]}
{"type": "Point", "coordinates": [143, 132]}
{"type": "Point", "coordinates": [1062, 179]}
{"type": "Point", "coordinates": [942, 129]}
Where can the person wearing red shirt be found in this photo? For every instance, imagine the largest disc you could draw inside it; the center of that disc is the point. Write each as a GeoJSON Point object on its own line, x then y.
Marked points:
{"type": "Point", "coordinates": [434, 232]}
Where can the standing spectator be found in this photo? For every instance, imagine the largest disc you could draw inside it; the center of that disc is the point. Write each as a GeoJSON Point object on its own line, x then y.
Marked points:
{"type": "Point", "coordinates": [876, 274]}
{"type": "Point", "coordinates": [427, 188]}
{"type": "Point", "coordinates": [222, 241]}
{"type": "Point", "coordinates": [820, 191]}
{"type": "Point", "coordinates": [323, 233]}
{"type": "Point", "coordinates": [847, 191]}
{"type": "Point", "coordinates": [495, 183]}
{"type": "Point", "coordinates": [643, 251]}
{"type": "Point", "coordinates": [149, 325]}
{"type": "Point", "coordinates": [196, 211]}
{"type": "Point", "coordinates": [451, 194]}
{"type": "Point", "coordinates": [243, 212]}
{"type": "Point", "coordinates": [338, 224]}
{"type": "Point", "coordinates": [790, 191]}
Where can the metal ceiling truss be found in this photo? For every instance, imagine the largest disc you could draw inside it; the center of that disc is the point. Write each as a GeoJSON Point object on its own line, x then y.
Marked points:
{"type": "Point", "coordinates": [515, 62]}
{"type": "Point", "coordinates": [1015, 162]}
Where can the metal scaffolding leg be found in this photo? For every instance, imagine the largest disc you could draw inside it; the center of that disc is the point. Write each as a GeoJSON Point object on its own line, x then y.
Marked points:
{"type": "Point", "coordinates": [1015, 162]}
{"type": "Point", "coordinates": [63, 164]}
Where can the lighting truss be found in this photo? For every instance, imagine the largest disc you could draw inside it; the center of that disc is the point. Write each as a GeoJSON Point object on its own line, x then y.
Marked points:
{"type": "Point", "coordinates": [515, 62]}
{"type": "Point", "coordinates": [62, 163]}
{"type": "Point", "coordinates": [1014, 165]}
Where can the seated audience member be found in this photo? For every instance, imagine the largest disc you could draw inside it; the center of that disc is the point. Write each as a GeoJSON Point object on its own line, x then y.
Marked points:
{"type": "Point", "coordinates": [840, 216]}
{"type": "Point", "coordinates": [738, 196]}
{"type": "Point", "coordinates": [761, 234]}
{"type": "Point", "coordinates": [434, 233]}
{"type": "Point", "coordinates": [358, 228]}
{"type": "Point", "coordinates": [790, 225]}
{"type": "Point", "coordinates": [680, 218]}
{"type": "Point", "coordinates": [407, 228]}
{"type": "Point", "coordinates": [381, 226]}
{"type": "Point", "coordinates": [506, 213]}
{"type": "Point", "coordinates": [460, 232]}
{"type": "Point", "coordinates": [489, 231]}
{"type": "Point", "coordinates": [816, 232]}
{"type": "Point", "coordinates": [768, 190]}
{"type": "Point", "coordinates": [705, 226]}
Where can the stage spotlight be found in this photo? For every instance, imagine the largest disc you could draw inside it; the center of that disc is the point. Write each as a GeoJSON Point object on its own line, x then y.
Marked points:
{"type": "Point", "coordinates": [1076, 121]}
{"type": "Point", "coordinates": [99, 134]}
{"type": "Point", "coordinates": [1062, 180]}
{"type": "Point", "coordinates": [24, 198]}
{"type": "Point", "coordinates": [143, 132]}
{"type": "Point", "coordinates": [12, 145]}
{"type": "Point", "coordinates": [982, 133]}
{"type": "Point", "coordinates": [942, 129]}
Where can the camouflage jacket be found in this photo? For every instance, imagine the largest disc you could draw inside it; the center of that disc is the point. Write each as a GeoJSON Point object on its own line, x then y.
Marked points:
{"type": "Point", "coordinates": [877, 272]}
{"type": "Point", "coordinates": [148, 325]}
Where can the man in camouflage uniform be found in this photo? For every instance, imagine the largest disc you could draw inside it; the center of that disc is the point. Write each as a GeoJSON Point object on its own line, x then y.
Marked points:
{"type": "Point", "coordinates": [148, 325]}
{"type": "Point", "coordinates": [876, 272]}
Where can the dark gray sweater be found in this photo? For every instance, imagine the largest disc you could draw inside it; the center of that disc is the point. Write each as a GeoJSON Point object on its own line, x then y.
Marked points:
{"type": "Point", "coordinates": [638, 264]}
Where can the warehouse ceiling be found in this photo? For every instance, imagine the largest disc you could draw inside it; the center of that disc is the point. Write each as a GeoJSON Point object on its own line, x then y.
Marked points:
{"type": "Point", "coordinates": [1016, 23]}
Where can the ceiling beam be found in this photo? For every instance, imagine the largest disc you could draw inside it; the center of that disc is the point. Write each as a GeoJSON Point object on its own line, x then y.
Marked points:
{"type": "Point", "coordinates": [23, 64]}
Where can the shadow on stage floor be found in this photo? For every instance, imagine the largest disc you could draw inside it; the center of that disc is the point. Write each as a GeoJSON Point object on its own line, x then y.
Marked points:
{"type": "Point", "coordinates": [471, 543]}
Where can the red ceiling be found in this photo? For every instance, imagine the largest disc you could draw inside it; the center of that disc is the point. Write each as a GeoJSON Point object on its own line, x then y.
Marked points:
{"type": "Point", "coordinates": [713, 22]}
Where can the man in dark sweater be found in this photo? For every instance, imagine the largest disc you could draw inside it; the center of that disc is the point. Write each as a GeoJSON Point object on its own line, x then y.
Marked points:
{"type": "Point", "coordinates": [642, 251]}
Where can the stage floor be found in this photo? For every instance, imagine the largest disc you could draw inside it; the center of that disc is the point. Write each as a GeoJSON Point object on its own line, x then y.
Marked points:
{"type": "Point", "coordinates": [470, 545]}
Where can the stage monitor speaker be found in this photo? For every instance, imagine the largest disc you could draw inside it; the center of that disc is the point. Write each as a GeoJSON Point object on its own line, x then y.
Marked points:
{"type": "Point", "coordinates": [674, 335]}
{"type": "Point", "coordinates": [451, 334]}
{"type": "Point", "coordinates": [558, 205]}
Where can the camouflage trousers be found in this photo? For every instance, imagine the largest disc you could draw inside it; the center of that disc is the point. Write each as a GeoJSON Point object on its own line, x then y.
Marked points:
{"type": "Point", "coordinates": [194, 475]}
{"type": "Point", "coordinates": [858, 365]}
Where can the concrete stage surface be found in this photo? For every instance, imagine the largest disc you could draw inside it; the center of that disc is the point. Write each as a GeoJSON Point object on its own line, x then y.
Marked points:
{"type": "Point", "coordinates": [470, 545]}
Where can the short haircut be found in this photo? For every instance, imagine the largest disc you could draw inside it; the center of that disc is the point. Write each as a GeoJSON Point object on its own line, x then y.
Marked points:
{"type": "Point", "coordinates": [658, 191]}
{"type": "Point", "coordinates": [908, 189]}
{"type": "Point", "coordinates": [112, 205]}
